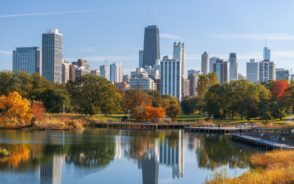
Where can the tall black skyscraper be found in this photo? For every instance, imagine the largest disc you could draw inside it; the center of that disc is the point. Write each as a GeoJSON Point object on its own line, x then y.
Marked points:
{"type": "Point", "coordinates": [151, 51]}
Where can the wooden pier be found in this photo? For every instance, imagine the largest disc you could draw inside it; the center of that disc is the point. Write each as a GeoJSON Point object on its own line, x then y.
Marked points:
{"type": "Point", "coordinates": [217, 130]}
{"type": "Point", "coordinates": [140, 126]}
{"type": "Point", "coordinates": [258, 142]}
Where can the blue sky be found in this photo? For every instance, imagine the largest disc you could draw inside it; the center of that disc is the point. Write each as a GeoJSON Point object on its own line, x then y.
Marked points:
{"type": "Point", "coordinates": [113, 30]}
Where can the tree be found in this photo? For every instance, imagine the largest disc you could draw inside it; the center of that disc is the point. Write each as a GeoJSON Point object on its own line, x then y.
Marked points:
{"type": "Point", "coordinates": [38, 110]}
{"type": "Point", "coordinates": [153, 113]}
{"type": "Point", "coordinates": [14, 110]}
{"type": "Point", "coordinates": [173, 108]}
{"type": "Point", "coordinates": [204, 82]}
{"type": "Point", "coordinates": [189, 105]}
{"type": "Point", "coordinates": [92, 94]}
{"type": "Point", "coordinates": [135, 100]}
{"type": "Point", "coordinates": [279, 88]}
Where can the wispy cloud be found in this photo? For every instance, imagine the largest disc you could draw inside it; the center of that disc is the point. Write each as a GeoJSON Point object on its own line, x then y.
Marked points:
{"type": "Point", "coordinates": [169, 36]}
{"type": "Point", "coordinates": [5, 52]}
{"type": "Point", "coordinates": [241, 36]}
{"type": "Point", "coordinates": [68, 12]}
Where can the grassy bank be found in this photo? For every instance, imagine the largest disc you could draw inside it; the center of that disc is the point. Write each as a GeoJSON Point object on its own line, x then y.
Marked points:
{"type": "Point", "coordinates": [275, 167]}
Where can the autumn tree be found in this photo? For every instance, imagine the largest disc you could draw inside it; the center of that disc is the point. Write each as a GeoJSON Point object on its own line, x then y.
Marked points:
{"type": "Point", "coordinates": [173, 108]}
{"type": "Point", "coordinates": [14, 110]}
{"type": "Point", "coordinates": [134, 101]}
{"type": "Point", "coordinates": [153, 113]}
{"type": "Point", "coordinates": [279, 88]}
{"type": "Point", "coordinates": [38, 110]}
{"type": "Point", "coordinates": [204, 82]}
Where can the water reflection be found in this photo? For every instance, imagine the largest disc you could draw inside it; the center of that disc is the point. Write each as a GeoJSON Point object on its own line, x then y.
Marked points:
{"type": "Point", "coordinates": [64, 157]}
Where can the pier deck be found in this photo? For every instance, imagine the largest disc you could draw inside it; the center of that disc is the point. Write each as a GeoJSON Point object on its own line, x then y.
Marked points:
{"type": "Point", "coordinates": [258, 142]}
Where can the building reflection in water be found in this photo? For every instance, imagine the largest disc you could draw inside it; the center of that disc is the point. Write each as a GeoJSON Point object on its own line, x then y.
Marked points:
{"type": "Point", "coordinates": [51, 170]}
{"type": "Point", "coordinates": [168, 152]}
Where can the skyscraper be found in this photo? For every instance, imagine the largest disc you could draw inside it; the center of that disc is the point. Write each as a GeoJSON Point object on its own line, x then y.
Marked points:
{"type": "Point", "coordinates": [266, 54]}
{"type": "Point", "coordinates": [267, 71]}
{"type": "Point", "coordinates": [204, 63]}
{"type": "Point", "coordinates": [171, 77]}
{"type": "Point", "coordinates": [211, 62]}
{"type": "Point", "coordinates": [104, 71]}
{"type": "Point", "coordinates": [193, 79]}
{"type": "Point", "coordinates": [116, 72]}
{"type": "Point", "coordinates": [282, 74]}
{"type": "Point", "coordinates": [252, 71]}
{"type": "Point", "coordinates": [141, 52]}
{"type": "Point", "coordinates": [65, 72]}
{"type": "Point", "coordinates": [26, 59]}
{"type": "Point", "coordinates": [222, 70]}
{"type": "Point", "coordinates": [179, 54]}
{"type": "Point", "coordinates": [233, 66]}
{"type": "Point", "coordinates": [151, 52]}
{"type": "Point", "coordinates": [52, 56]}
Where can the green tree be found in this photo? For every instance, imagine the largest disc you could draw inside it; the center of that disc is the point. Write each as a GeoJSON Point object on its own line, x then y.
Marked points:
{"type": "Point", "coordinates": [92, 94]}
{"type": "Point", "coordinates": [189, 105]}
{"type": "Point", "coordinates": [204, 82]}
{"type": "Point", "coordinates": [173, 108]}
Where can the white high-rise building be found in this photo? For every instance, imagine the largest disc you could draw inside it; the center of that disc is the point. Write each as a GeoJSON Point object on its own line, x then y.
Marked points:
{"type": "Point", "coordinates": [266, 54]}
{"type": "Point", "coordinates": [204, 63]}
{"type": "Point", "coordinates": [267, 71]}
{"type": "Point", "coordinates": [140, 80]}
{"type": "Point", "coordinates": [116, 72]}
{"type": "Point", "coordinates": [252, 71]}
{"type": "Point", "coordinates": [171, 77]}
{"type": "Point", "coordinates": [52, 56]}
{"type": "Point", "coordinates": [233, 66]}
{"type": "Point", "coordinates": [179, 54]}
{"type": "Point", "coordinates": [65, 72]}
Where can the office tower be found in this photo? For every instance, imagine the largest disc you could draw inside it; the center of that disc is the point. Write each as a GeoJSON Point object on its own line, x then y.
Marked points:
{"type": "Point", "coordinates": [233, 67]}
{"type": "Point", "coordinates": [151, 51]}
{"type": "Point", "coordinates": [211, 62]}
{"type": "Point", "coordinates": [116, 72]}
{"type": "Point", "coordinates": [171, 77]}
{"type": "Point", "coordinates": [104, 71]}
{"type": "Point", "coordinates": [267, 71]}
{"type": "Point", "coordinates": [153, 72]}
{"type": "Point", "coordinates": [266, 54]}
{"type": "Point", "coordinates": [52, 56]}
{"type": "Point", "coordinates": [26, 59]}
{"type": "Point", "coordinates": [65, 72]}
{"type": "Point", "coordinates": [179, 54]}
{"type": "Point", "coordinates": [72, 72]}
{"type": "Point", "coordinates": [82, 68]}
{"type": "Point", "coordinates": [186, 88]}
{"type": "Point", "coordinates": [82, 63]}
{"type": "Point", "coordinates": [95, 72]}
{"type": "Point", "coordinates": [141, 52]}
{"type": "Point", "coordinates": [282, 74]}
{"type": "Point", "coordinates": [193, 77]}
{"type": "Point", "coordinates": [204, 63]}
{"type": "Point", "coordinates": [252, 71]}
{"type": "Point", "coordinates": [140, 80]}
{"type": "Point", "coordinates": [222, 70]}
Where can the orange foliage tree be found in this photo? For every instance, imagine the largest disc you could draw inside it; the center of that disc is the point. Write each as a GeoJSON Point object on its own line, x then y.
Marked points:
{"type": "Point", "coordinates": [153, 113]}
{"type": "Point", "coordinates": [279, 88]}
{"type": "Point", "coordinates": [38, 110]}
{"type": "Point", "coordinates": [14, 110]}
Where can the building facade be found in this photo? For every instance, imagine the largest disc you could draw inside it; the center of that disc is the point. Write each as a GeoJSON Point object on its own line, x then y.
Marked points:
{"type": "Point", "coordinates": [266, 54]}
{"type": "Point", "coordinates": [141, 65]}
{"type": "Point", "coordinates": [233, 66]}
{"type": "Point", "coordinates": [222, 70]}
{"type": "Point", "coordinates": [171, 77]}
{"type": "Point", "coordinates": [282, 74]}
{"type": "Point", "coordinates": [105, 71]}
{"type": "Point", "coordinates": [52, 55]}
{"type": "Point", "coordinates": [204, 63]}
{"type": "Point", "coordinates": [65, 72]}
{"type": "Point", "coordinates": [151, 51]}
{"type": "Point", "coordinates": [252, 71]}
{"type": "Point", "coordinates": [211, 62]}
{"type": "Point", "coordinates": [141, 80]}
{"type": "Point", "coordinates": [193, 77]}
{"type": "Point", "coordinates": [116, 72]}
{"type": "Point", "coordinates": [179, 54]}
{"type": "Point", "coordinates": [26, 59]}
{"type": "Point", "coordinates": [267, 71]}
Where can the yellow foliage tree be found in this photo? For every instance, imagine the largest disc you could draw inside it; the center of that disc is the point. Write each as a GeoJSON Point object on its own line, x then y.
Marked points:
{"type": "Point", "coordinates": [14, 110]}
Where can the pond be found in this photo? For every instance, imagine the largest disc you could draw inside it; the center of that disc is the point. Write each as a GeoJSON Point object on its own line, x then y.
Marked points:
{"type": "Point", "coordinates": [119, 156]}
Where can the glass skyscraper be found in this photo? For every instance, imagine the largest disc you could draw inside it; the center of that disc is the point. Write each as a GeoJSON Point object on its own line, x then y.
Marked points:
{"type": "Point", "coordinates": [52, 56]}
{"type": "Point", "coordinates": [26, 59]}
{"type": "Point", "coordinates": [151, 52]}
{"type": "Point", "coordinates": [233, 66]}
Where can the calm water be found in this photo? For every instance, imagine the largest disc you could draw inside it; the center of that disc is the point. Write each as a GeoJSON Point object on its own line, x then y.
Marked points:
{"type": "Point", "coordinates": [118, 156]}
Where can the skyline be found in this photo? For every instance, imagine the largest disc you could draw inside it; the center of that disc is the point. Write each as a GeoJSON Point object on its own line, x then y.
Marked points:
{"type": "Point", "coordinates": [84, 38]}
